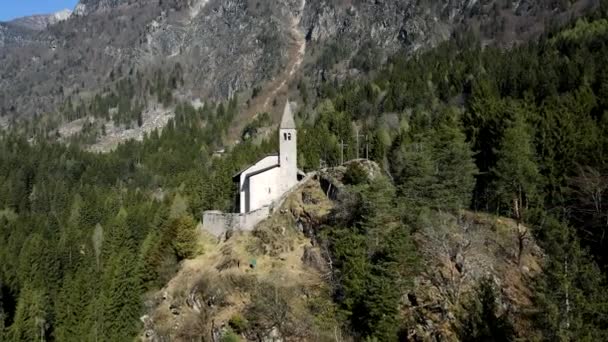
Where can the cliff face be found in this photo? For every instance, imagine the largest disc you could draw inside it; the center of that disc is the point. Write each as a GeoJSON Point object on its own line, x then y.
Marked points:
{"type": "Point", "coordinates": [234, 45]}
{"type": "Point", "coordinates": [85, 7]}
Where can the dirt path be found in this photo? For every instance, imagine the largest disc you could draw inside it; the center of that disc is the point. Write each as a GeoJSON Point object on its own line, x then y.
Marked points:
{"type": "Point", "coordinates": [296, 57]}
{"type": "Point", "coordinates": [278, 86]}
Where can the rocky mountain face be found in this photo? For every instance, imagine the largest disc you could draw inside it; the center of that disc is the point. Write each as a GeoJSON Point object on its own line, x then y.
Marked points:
{"type": "Point", "coordinates": [14, 36]}
{"type": "Point", "coordinates": [22, 31]}
{"type": "Point", "coordinates": [85, 7]}
{"type": "Point", "coordinates": [41, 22]}
{"type": "Point", "coordinates": [230, 46]}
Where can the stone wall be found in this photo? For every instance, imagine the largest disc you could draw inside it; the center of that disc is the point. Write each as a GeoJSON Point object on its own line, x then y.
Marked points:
{"type": "Point", "coordinates": [217, 223]}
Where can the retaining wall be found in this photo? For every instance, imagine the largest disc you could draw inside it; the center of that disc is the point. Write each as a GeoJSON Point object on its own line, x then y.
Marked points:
{"type": "Point", "coordinates": [218, 223]}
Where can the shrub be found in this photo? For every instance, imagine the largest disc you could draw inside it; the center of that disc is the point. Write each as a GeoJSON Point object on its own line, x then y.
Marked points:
{"type": "Point", "coordinates": [355, 174]}
{"type": "Point", "coordinates": [238, 323]}
{"type": "Point", "coordinates": [230, 336]}
{"type": "Point", "coordinates": [185, 241]}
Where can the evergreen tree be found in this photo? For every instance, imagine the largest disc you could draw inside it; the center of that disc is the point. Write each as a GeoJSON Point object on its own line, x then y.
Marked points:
{"type": "Point", "coordinates": [121, 297]}
{"type": "Point", "coordinates": [455, 166]}
{"type": "Point", "coordinates": [32, 319]}
{"type": "Point", "coordinates": [151, 255]}
{"type": "Point", "coordinates": [516, 173]}
{"type": "Point", "coordinates": [482, 321]}
{"type": "Point", "coordinates": [73, 320]}
{"type": "Point", "coordinates": [570, 295]}
{"type": "Point", "coordinates": [414, 172]}
{"type": "Point", "coordinates": [2, 316]}
{"type": "Point", "coordinates": [185, 241]}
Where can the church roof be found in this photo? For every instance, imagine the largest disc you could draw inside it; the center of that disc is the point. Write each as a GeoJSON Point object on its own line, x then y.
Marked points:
{"type": "Point", "coordinates": [287, 122]}
{"type": "Point", "coordinates": [238, 174]}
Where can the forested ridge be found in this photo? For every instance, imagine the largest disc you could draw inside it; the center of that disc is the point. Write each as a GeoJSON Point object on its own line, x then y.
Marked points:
{"type": "Point", "coordinates": [521, 133]}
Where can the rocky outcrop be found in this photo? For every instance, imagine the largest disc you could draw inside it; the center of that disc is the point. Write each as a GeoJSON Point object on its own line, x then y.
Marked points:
{"type": "Point", "coordinates": [457, 254]}
{"type": "Point", "coordinates": [41, 22]}
{"type": "Point", "coordinates": [224, 291]}
{"type": "Point", "coordinates": [85, 7]}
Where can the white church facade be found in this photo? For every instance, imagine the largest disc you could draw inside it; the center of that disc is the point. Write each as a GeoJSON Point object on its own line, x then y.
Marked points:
{"type": "Point", "coordinates": [264, 182]}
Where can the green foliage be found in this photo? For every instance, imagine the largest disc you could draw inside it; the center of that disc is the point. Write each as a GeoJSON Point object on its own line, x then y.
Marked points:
{"type": "Point", "coordinates": [529, 141]}
{"type": "Point", "coordinates": [120, 297]}
{"type": "Point", "coordinates": [570, 296]}
{"type": "Point", "coordinates": [73, 305]}
{"type": "Point", "coordinates": [320, 143]}
{"type": "Point", "coordinates": [434, 167]}
{"type": "Point", "coordinates": [179, 207]}
{"type": "Point", "coordinates": [516, 174]}
{"type": "Point", "coordinates": [238, 323]}
{"type": "Point", "coordinates": [86, 234]}
{"type": "Point", "coordinates": [482, 321]}
{"type": "Point", "coordinates": [355, 174]}
{"type": "Point", "coordinates": [261, 120]}
{"type": "Point", "coordinates": [83, 235]}
{"type": "Point", "coordinates": [2, 327]}
{"type": "Point", "coordinates": [584, 31]}
{"type": "Point", "coordinates": [32, 318]}
{"type": "Point", "coordinates": [375, 259]}
{"type": "Point", "coordinates": [230, 336]}
{"type": "Point", "coordinates": [185, 237]}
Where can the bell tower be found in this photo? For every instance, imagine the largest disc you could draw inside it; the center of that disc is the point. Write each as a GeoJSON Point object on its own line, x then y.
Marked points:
{"type": "Point", "coordinates": [288, 150]}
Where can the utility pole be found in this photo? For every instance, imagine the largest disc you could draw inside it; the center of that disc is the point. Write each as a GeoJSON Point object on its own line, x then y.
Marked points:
{"type": "Point", "coordinates": [366, 147]}
{"type": "Point", "coordinates": [357, 135]}
{"type": "Point", "coordinates": [342, 145]}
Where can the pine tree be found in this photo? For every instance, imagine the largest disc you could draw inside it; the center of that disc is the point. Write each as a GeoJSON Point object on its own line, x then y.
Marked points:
{"type": "Point", "coordinates": [185, 241]}
{"type": "Point", "coordinates": [570, 295]}
{"type": "Point", "coordinates": [73, 308]}
{"type": "Point", "coordinates": [516, 173]}
{"type": "Point", "coordinates": [121, 299]}
{"type": "Point", "coordinates": [414, 171]}
{"type": "Point", "coordinates": [482, 322]}
{"type": "Point", "coordinates": [455, 165]}
{"type": "Point", "coordinates": [151, 256]}
{"type": "Point", "coordinates": [120, 236]}
{"type": "Point", "coordinates": [2, 315]}
{"type": "Point", "coordinates": [349, 253]}
{"type": "Point", "coordinates": [31, 321]}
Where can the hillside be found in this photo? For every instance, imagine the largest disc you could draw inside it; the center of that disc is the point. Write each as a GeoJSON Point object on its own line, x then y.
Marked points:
{"type": "Point", "coordinates": [460, 190]}
{"type": "Point", "coordinates": [41, 22]}
{"type": "Point", "coordinates": [277, 282]}
{"type": "Point", "coordinates": [228, 47]}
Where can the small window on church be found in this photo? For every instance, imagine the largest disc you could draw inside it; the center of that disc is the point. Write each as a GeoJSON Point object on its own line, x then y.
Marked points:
{"type": "Point", "coordinates": [284, 136]}
{"type": "Point", "coordinates": [288, 136]}
{"type": "Point", "coordinates": [269, 190]}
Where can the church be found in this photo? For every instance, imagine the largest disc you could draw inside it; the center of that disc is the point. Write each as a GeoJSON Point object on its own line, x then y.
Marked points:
{"type": "Point", "coordinates": [268, 179]}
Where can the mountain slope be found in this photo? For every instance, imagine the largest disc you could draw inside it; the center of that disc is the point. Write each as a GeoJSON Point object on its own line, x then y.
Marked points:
{"type": "Point", "coordinates": [519, 133]}
{"type": "Point", "coordinates": [41, 22]}
{"type": "Point", "coordinates": [232, 46]}
{"type": "Point", "coordinates": [293, 273]}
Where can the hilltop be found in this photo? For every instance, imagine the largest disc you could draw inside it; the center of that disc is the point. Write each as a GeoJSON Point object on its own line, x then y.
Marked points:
{"type": "Point", "coordinates": [278, 281]}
